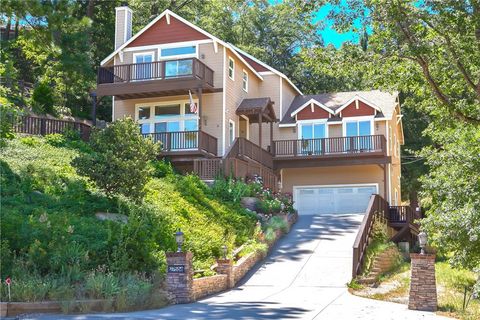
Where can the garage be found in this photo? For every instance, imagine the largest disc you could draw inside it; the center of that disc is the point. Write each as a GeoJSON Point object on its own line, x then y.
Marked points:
{"type": "Point", "coordinates": [341, 199]}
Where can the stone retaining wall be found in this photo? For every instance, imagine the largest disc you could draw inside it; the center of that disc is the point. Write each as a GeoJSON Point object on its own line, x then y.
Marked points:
{"type": "Point", "coordinates": [209, 285]}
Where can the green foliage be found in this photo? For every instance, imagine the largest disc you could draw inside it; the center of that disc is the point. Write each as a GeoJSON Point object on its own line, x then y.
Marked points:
{"type": "Point", "coordinates": [8, 112]}
{"type": "Point", "coordinates": [42, 99]}
{"type": "Point", "coordinates": [270, 206]}
{"type": "Point", "coordinates": [119, 159]}
{"type": "Point", "coordinates": [51, 240]}
{"type": "Point", "coordinates": [275, 223]}
{"type": "Point", "coordinates": [229, 189]}
{"type": "Point", "coordinates": [162, 168]}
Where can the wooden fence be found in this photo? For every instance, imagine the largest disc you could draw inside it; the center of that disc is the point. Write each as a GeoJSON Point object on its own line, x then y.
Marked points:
{"type": "Point", "coordinates": [43, 126]}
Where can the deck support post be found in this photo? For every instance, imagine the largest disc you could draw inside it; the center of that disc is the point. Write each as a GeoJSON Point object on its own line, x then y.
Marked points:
{"type": "Point", "coordinates": [200, 108]}
{"type": "Point", "coordinates": [93, 95]}
{"type": "Point", "coordinates": [260, 129]}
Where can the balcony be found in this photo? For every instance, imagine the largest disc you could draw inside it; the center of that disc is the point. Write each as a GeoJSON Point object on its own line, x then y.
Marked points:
{"type": "Point", "coordinates": [185, 143]}
{"type": "Point", "coordinates": [165, 78]}
{"type": "Point", "coordinates": [330, 151]}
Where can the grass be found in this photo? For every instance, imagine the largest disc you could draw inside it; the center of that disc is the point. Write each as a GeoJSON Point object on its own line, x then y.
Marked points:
{"type": "Point", "coordinates": [450, 289]}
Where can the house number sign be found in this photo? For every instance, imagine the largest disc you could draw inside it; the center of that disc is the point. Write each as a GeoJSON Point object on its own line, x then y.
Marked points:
{"type": "Point", "coordinates": [176, 269]}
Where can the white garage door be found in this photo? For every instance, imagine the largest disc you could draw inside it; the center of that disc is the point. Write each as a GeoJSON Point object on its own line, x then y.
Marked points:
{"type": "Point", "coordinates": [331, 199]}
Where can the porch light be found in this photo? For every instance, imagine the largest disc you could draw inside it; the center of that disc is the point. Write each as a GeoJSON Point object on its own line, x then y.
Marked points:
{"type": "Point", "coordinates": [422, 240]}
{"type": "Point", "coordinates": [179, 240]}
{"type": "Point", "coordinates": [224, 250]}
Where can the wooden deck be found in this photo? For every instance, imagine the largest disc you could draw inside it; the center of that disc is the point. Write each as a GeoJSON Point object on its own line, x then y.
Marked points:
{"type": "Point", "coordinates": [139, 80]}
{"type": "Point", "coordinates": [185, 143]}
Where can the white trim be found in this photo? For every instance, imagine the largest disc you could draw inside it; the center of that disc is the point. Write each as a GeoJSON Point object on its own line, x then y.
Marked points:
{"type": "Point", "coordinates": [244, 81]}
{"type": "Point", "coordinates": [309, 102]}
{"type": "Point", "coordinates": [389, 183]}
{"type": "Point", "coordinates": [188, 24]}
{"type": "Point", "coordinates": [178, 56]}
{"type": "Point", "coordinates": [281, 98]}
{"type": "Point", "coordinates": [169, 45]}
{"type": "Point", "coordinates": [287, 125]}
{"type": "Point", "coordinates": [151, 53]}
{"type": "Point", "coordinates": [312, 122]}
{"type": "Point", "coordinates": [272, 70]}
{"type": "Point", "coordinates": [224, 98]}
{"type": "Point", "coordinates": [230, 140]}
{"type": "Point", "coordinates": [113, 108]}
{"type": "Point", "coordinates": [167, 16]}
{"type": "Point", "coordinates": [181, 117]}
{"type": "Point", "coordinates": [215, 46]}
{"type": "Point", "coordinates": [357, 119]}
{"type": "Point", "coordinates": [233, 68]}
{"type": "Point", "coordinates": [355, 98]}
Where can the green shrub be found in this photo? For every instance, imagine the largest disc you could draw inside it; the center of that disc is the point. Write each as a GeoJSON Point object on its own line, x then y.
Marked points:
{"type": "Point", "coordinates": [42, 99]}
{"type": "Point", "coordinates": [8, 112]}
{"type": "Point", "coordinates": [100, 284]}
{"type": "Point", "coordinates": [119, 159]}
{"type": "Point", "coordinates": [162, 168]}
{"type": "Point", "coordinates": [229, 189]}
{"type": "Point", "coordinates": [268, 206]}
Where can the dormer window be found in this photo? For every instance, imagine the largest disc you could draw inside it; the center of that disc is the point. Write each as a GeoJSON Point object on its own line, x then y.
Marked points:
{"type": "Point", "coordinates": [231, 68]}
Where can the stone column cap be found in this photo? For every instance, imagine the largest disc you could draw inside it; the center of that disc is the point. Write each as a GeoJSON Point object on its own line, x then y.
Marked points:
{"type": "Point", "coordinates": [178, 254]}
{"type": "Point", "coordinates": [426, 256]}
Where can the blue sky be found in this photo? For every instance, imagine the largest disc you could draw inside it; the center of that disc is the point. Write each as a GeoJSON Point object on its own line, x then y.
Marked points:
{"type": "Point", "coordinates": [330, 36]}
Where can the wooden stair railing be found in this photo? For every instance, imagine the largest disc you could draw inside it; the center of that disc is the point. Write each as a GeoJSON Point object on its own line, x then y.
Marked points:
{"type": "Point", "coordinates": [377, 209]}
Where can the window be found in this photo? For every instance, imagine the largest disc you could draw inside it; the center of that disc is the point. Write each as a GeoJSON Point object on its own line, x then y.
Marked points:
{"type": "Point", "coordinates": [178, 51]}
{"type": "Point", "coordinates": [177, 68]}
{"type": "Point", "coordinates": [358, 128]}
{"type": "Point", "coordinates": [142, 69]}
{"type": "Point", "coordinates": [166, 117]}
{"type": "Point", "coordinates": [311, 134]}
{"type": "Point", "coordinates": [231, 68]}
{"type": "Point", "coordinates": [245, 81]}
{"type": "Point", "coordinates": [231, 131]}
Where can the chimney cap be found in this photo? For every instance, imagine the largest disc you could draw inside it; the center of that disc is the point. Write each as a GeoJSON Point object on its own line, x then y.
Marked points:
{"type": "Point", "coordinates": [123, 7]}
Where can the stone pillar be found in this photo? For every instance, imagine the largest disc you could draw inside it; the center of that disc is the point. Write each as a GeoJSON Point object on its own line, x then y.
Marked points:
{"type": "Point", "coordinates": [225, 266]}
{"type": "Point", "coordinates": [180, 276]}
{"type": "Point", "coordinates": [423, 289]}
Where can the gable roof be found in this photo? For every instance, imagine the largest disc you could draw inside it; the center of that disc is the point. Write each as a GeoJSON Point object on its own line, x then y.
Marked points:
{"type": "Point", "coordinates": [382, 101]}
{"type": "Point", "coordinates": [263, 66]}
{"type": "Point", "coordinates": [308, 103]}
{"type": "Point", "coordinates": [167, 13]}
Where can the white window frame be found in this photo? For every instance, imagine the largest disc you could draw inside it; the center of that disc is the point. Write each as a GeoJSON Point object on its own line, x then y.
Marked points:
{"type": "Point", "coordinates": [245, 80]}
{"type": "Point", "coordinates": [231, 68]}
{"type": "Point", "coordinates": [134, 58]}
{"type": "Point", "coordinates": [311, 122]}
{"type": "Point", "coordinates": [181, 118]}
{"type": "Point", "coordinates": [358, 119]}
{"type": "Point", "coordinates": [178, 56]}
{"type": "Point", "coordinates": [231, 137]}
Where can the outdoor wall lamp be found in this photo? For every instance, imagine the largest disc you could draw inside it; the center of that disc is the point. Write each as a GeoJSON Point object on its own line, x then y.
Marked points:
{"type": "Point", "coordinates": [422, 240]}
{"type": "Point", "coordinates": [224, 250]}
{"type": "Point", "coordinates": [179, 240]}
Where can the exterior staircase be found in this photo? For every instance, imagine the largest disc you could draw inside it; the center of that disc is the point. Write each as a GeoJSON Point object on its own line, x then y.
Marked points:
{"type": "Point", "coordinates": [382, 263]}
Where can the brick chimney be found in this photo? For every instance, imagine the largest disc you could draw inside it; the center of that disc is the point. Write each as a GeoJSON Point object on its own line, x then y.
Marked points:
{"type": "Point", "coordinates": [123, 25]}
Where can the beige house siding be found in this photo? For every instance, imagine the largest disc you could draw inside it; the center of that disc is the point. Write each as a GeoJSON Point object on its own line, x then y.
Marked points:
{"type": "Point", "coordinates": [288, 94]}
{"type": "Point", "coordinates": [211, 114]}
{"type": "Point", "coordinates": [235, 93]}
{"type": "Point", "coordinates": [332, 176]}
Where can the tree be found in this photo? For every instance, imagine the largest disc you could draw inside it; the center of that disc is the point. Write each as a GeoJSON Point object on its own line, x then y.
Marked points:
{"type": "Point", "coordinates": [119, 161]}
{"type": "Point", "coordinates": [431, 49]}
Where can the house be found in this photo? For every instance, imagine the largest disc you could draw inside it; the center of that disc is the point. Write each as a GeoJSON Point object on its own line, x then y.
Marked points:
{"type": "Point", "coordinates": [331, 150]}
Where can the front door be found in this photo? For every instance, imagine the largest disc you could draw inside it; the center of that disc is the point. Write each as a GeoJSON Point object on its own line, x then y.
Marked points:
{"type": "Point", "coordinates": [243, 128]}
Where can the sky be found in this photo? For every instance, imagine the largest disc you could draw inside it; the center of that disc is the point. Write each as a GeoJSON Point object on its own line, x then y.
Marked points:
{"type": "Point", "coordinates": [330, 36]}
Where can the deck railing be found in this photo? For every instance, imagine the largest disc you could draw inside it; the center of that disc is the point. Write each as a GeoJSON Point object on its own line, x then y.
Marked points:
{"type": "Point", "coordinates": [329, 146]}
{"type": "Point", "coordinates": [185, 140]}
{"type": "Point", "coordinates": [156, 70]}
{"type": "Point", "coordinates": [400, 214]}
{"type": "Point", "coordinates": [377, 209]}
{"type": "Point", "coordinates": [43, 126]}
{"type": "Point", "coordinates": [245, 148]}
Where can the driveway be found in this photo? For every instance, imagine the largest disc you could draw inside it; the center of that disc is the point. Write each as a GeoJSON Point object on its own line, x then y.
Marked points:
{"type": "Point", "coordinates": [304, 277]}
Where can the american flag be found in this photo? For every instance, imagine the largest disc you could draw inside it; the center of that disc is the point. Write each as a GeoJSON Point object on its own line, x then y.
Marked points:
{"type": "Point", "coordinates": [193, 105]}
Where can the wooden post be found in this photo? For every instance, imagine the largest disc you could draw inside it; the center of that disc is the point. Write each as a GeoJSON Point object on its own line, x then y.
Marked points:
{"type": "Point", "coordinates": [271, 135]}
{"type": "Point", "coordinates": [200, 107]}
{"type": "Point", "coordinates": [94, 108]}
{"type": "Point", "coordinates": [260, 129]}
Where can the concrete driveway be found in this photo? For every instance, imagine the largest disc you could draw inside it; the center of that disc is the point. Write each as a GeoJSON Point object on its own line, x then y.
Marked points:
{"type": "Point", "coordinates": [304, 277]}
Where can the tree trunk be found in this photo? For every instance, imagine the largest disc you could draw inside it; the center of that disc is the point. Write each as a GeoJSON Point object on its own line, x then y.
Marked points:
{"type": "Point", "coordinates": [7, 28]}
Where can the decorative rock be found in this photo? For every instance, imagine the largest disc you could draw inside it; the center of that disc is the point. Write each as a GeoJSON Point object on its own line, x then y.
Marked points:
{"type": "Point", "coordinates": [116, 217]}
{"type": "Point", "coordinates": [249, 203]}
